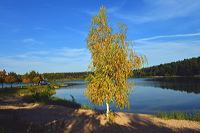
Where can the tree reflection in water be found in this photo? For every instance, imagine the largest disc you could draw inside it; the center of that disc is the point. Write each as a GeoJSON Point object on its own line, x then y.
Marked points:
{"type": "Point", "coordinates": [186, 84]}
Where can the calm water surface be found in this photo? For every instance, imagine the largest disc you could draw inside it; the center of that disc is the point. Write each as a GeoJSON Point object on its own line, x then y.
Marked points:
{"type": "Point", "coordinates": [148, 95]}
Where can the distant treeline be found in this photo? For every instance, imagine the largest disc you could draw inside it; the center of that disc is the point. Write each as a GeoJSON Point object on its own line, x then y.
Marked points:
{"type": "Point", "coordinates": [12, 77]}
{"type": "Point", "coordinates": [65, 75]}
{"type": "Point", "coordinates": [186, 67]}
{"type": "Point", "coordinates": [34, 77]}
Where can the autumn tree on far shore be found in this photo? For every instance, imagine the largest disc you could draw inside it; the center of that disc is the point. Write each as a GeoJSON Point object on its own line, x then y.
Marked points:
{"type": "Point", "coordinates": [112, 63]}
{"type": "Point", "coordinates": [37, 79]}
{"type": "Point", "coordinates": [2, 77]}
{"type": "Point", "coordinates": [11, 78]}
{"type": "Point", "coordinates": [32, 77]}
{"type": "Point", "coordinates": [25, 79]}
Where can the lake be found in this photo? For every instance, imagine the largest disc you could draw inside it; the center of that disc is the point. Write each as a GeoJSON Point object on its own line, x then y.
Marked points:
{"type": "Point", "coordinates": [149, 95]}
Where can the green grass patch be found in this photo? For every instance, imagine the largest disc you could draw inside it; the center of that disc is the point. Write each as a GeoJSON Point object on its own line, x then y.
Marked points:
{"type": "Point", "coordinates": [39, 93]}
{"type": "Point", "coordinates": [63, 102]}
{"type": "Point", "coordinates": [34, 90]}
{"type": "Point", "coordinates": [193, 116]}
{"type": "Point", "coordinates": [85, 106]}
{"type": "Point", "coordinates": [45, 94]}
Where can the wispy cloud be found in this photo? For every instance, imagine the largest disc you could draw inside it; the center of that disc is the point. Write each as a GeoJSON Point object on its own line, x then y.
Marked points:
{"type": "Point", "coordinates": [39, 28]}
{"type": "Point", "coordinates": [155, 10]}
{"type": "Point", "coordinates": [116, 8]}
{"type": "Point", "coordinates": [168, 36]}
{"type": "Point", "coordinates": [168, 48]}
{"type": "Point", "coordinates": [68, 52]}
{"type": "Point", "coordinates": [31, 41]}
{"type": "Point", "coordinates": [75, 30]}
{"type": "Point", "coordinates": [164, 52]}
{"type": "Point", "coordinates": [111, 9]}
{"type": "Point", "coordinates": [32, 54]}
{"type": "Point", "coordinates": [133, 18]}
{"type": "Point", "coordinates": [57, 60]}
{"type": "Point", "coordinates": [163, 10]}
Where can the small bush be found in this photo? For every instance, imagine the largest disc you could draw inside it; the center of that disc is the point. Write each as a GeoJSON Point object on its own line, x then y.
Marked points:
{"type": "Point", "coordinates": [41, 93]}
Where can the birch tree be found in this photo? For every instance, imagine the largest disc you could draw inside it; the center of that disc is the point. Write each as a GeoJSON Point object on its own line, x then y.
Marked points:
{"type": "Point", "coordinates": [112, 63]}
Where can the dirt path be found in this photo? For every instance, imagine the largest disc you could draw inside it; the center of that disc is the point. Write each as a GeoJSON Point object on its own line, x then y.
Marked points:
{"type": "Point", "coordinates": [31, 117]}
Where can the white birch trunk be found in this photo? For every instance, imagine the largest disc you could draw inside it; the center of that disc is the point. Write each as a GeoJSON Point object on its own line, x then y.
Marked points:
{"type": "Point", "coordinates": [107, 111]}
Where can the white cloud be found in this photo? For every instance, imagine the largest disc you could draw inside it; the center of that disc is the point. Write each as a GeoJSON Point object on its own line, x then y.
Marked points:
{"type": "Point", "coordinates": [39, 28]}
{"type": "Point", "coordinates": [112, 9]}
{"type": "Point", "coordinates": [159, 50]}
{"type": "Point", "coordinates": [89, 12]}
{"type": "Point", "coordinates": [168, 36]}
{"type": "Point", "coordinates": [68, 52]}
{"type": "Point", "coordinates": [156, 10]}
{"type": "Point", "coordinates": [31, 41]}
{"type": "Point", "coordinates": [133, 18]}
{"type": "Point", "coordinates": [75, 31]}
{"type": "Point", "coordinates": [116, 8]}
{"type": "Point", "coordinates": [32, 54]}
{"type": "Point", "coordinates": [57, 60]}
{"type": "Point", "coordinates": [162, 9]}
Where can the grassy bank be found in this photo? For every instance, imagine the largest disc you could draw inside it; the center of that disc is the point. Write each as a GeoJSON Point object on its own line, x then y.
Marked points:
{"type": "Point", "coordinates": [40, 94]}
{"type": "Point", "coordinates": [62, 102]}
{"type": "Point", "coordinates": [26, 90]}
{"type": "Point", "coordinates": [193, 116]}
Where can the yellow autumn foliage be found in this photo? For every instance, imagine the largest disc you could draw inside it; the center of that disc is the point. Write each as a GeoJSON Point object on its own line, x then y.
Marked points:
{"type": "Point", "coordinates": [112, 63]}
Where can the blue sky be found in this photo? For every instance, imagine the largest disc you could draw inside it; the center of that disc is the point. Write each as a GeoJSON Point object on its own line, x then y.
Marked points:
{"type": "Point", "coordinates": [49, 35]}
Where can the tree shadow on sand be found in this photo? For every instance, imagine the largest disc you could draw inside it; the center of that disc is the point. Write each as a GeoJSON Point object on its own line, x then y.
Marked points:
{"type": "Point", "coordinates": [59, 119]}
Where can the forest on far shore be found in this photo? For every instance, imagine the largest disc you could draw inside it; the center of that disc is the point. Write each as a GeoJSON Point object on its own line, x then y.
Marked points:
{"type": "Point", "coordinates": [186, 67]}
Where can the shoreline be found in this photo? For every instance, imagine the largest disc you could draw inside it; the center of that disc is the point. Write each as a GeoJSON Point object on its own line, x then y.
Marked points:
{"type": "Point", "coordinates": [175, 76]}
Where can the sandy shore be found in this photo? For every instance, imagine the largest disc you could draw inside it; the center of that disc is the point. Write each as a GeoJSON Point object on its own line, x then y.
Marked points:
{"type": "Point", "coordinates": [17, 116]}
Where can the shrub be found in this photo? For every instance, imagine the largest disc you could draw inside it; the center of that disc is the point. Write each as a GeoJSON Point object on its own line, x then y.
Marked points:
{"type": "Point", "coordinates": [41, 93]}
